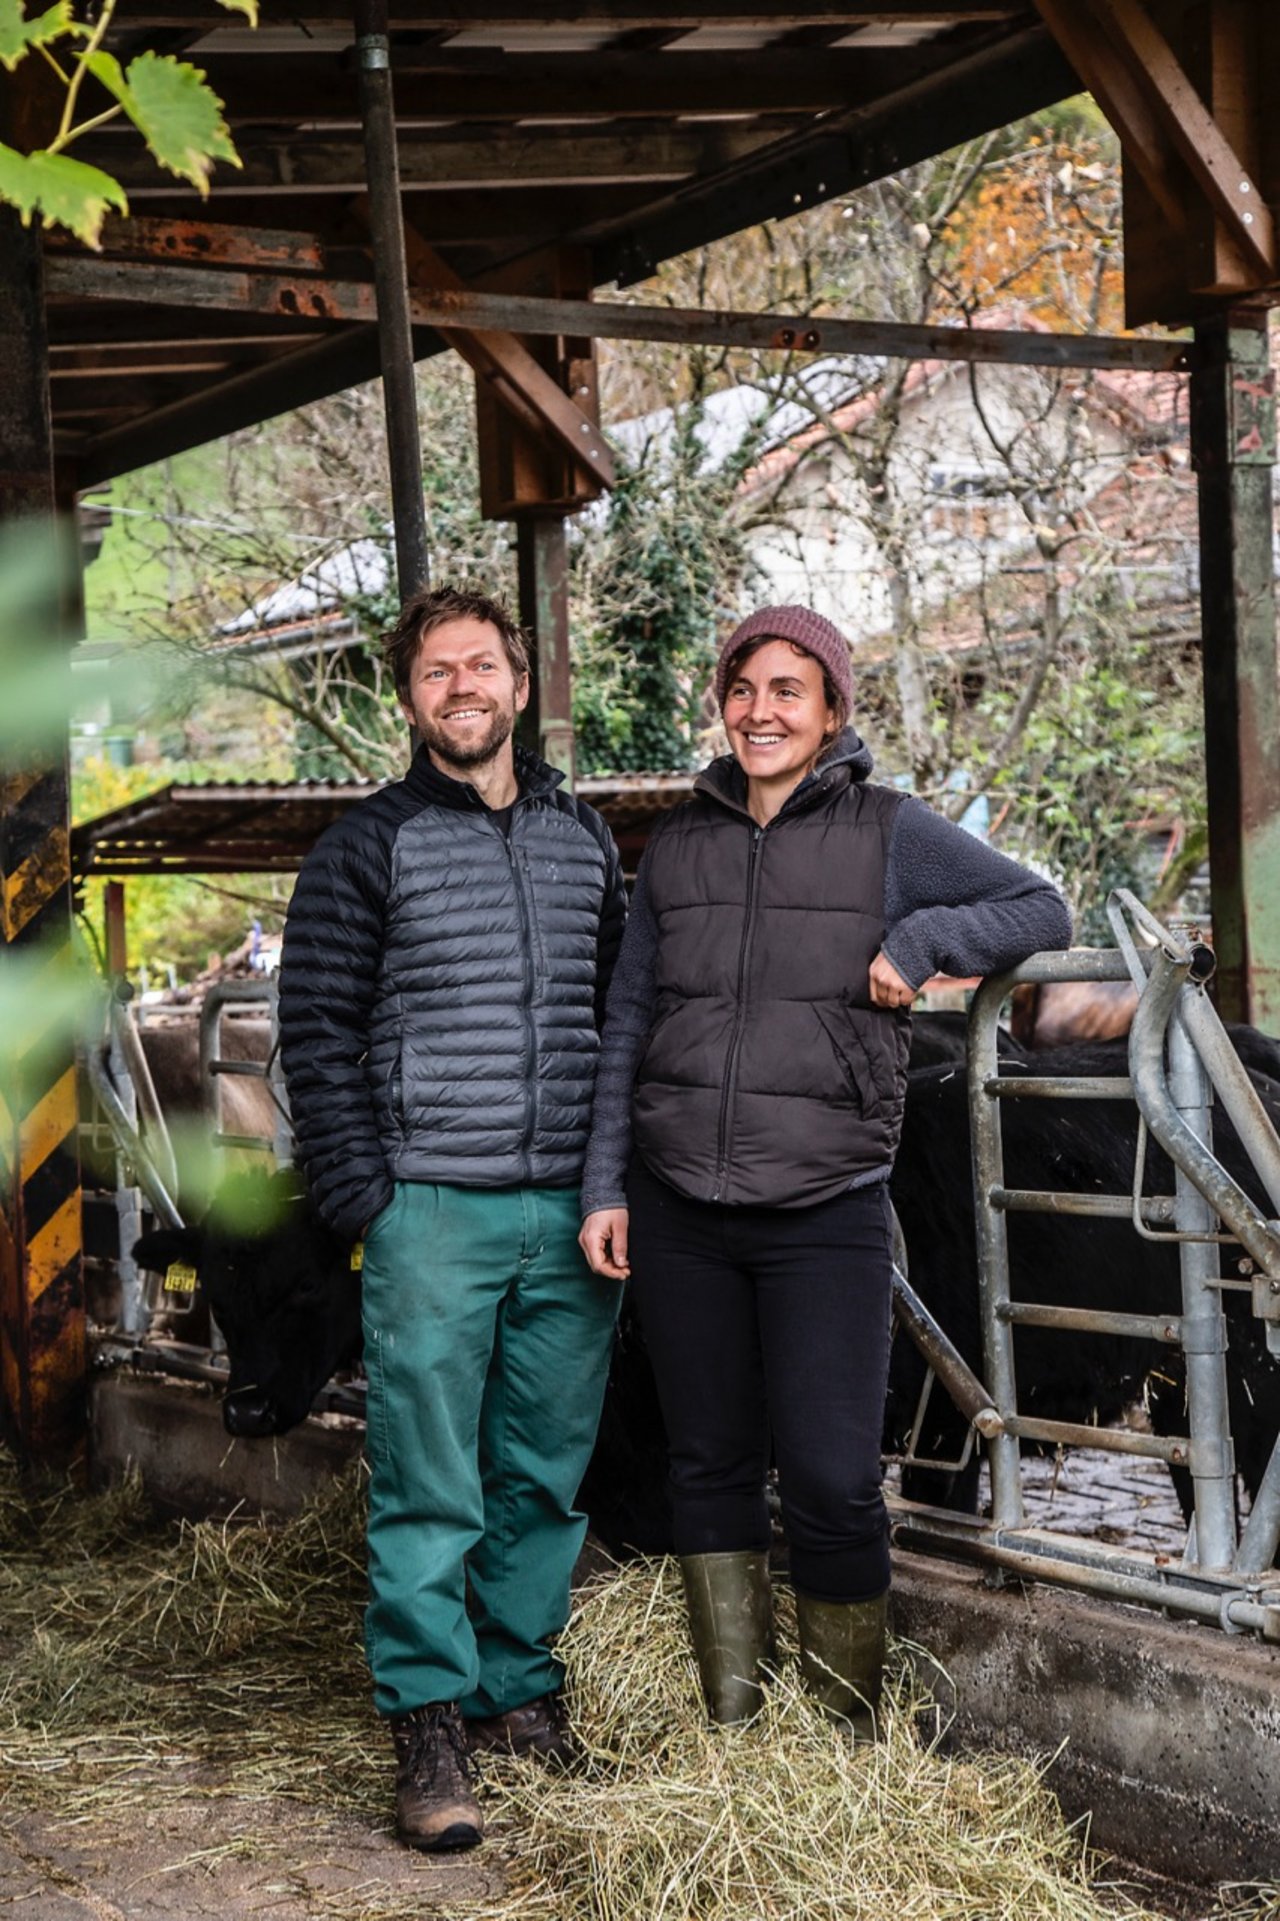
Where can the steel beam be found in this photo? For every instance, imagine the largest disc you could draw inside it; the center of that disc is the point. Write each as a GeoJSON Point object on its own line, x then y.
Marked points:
{"type": "Point", "coordinates": [456, 16]}
{"type": "Point", "coordinates": [474, 308]}
{"type": "Point", "coordinates": [489, 84]}
{"type": "Point", "coordinates": [1233, 449]}
{"type": "Point", "coordinates": [1018, 75]}
{"type": "Point", "coordinates": [395, 329]}
{"type": "Point", "coordinates": [42, 1328]}
{"type": "Point", "coordinates": [543, 572]}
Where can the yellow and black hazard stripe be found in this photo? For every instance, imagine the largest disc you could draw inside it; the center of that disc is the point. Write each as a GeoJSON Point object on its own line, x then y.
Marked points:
{"type": "Point", "coordinates": [42, 1332]}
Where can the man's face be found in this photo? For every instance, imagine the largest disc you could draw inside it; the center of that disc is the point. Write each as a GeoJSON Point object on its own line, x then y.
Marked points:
{"type": "Point", "coordinates": [463, 697]}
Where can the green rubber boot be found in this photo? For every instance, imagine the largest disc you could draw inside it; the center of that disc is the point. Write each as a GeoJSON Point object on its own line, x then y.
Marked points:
{"type": "Point", "coordinates": [730, 1607]}
{"type": "Point", "coordinates": [842, 1657]}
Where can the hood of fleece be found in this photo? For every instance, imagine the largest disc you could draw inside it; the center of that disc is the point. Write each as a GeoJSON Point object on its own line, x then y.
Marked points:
{"type": "Point", "coordinates": [724, 778]}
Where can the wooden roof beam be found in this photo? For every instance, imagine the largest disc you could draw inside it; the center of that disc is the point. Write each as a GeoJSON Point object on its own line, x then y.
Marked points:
{"type": "Point", "coordinates": [1163, 125]}
{"type": "Point", "coordinates": [1190, 129]}
{"type": "Point", "coordinates": [525, 388]}
{"type": "Point", "coordinates": [296, 164]}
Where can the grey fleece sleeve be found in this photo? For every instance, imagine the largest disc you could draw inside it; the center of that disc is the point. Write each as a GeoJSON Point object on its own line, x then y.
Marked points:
{"type": "Point", "coordinates": [629, 1011]}
{"type": "Point", "coordinates": [954, 906]}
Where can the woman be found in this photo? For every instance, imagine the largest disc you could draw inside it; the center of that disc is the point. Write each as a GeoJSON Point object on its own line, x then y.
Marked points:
{"type": "Point", "coordinates": [747, 1111]}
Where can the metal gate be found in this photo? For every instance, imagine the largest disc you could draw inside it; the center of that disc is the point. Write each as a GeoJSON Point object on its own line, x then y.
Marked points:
{"type": "Point", "coordinates": [1224, 1576]}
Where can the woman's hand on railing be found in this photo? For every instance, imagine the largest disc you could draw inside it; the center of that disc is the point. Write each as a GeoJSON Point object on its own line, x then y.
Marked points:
{"type": "Point", "coordinates": [604, 1242]}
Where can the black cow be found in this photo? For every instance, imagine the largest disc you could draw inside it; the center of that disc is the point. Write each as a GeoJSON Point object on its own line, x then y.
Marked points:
{"type": "Point", "coordinates": [288, 1302]}
{"type": "Point", "coordinates": [280, 1286]}
{"type": "Point", "coordinates": [1066, 1260]}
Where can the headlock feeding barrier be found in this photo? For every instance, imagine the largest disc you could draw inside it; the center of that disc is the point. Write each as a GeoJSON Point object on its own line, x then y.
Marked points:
{"type": "Point", "coordinates": [1180, 1057]}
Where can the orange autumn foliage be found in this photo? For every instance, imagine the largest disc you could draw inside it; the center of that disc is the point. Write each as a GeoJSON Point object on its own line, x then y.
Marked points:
{"type": "Point", "coordinates": [1042, 231]}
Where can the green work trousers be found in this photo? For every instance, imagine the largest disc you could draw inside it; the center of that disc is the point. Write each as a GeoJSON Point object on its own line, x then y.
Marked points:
{"type": "Point", "coordinates": [486, 1342]}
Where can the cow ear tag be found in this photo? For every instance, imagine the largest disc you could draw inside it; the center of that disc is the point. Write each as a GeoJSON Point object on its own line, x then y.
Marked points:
{"type": "Point", "coordinates": [357, 1257]}
{"type": "Point", "coordinates": [179, 1278]}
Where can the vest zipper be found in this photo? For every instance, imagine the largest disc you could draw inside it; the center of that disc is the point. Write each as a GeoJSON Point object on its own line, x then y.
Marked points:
{"type": "Point", "coordinates": [739, 1019]}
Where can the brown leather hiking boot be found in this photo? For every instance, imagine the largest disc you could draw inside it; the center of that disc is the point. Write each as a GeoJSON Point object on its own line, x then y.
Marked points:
{"type": "Point", "coordinates": [538, 1727]}
{"type": "Point", "coordinates": [435, 1807]}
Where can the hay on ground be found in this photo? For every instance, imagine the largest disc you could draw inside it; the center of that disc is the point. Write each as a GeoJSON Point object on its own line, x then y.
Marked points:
{"type": "Point", "coordinates": [142, 1659]}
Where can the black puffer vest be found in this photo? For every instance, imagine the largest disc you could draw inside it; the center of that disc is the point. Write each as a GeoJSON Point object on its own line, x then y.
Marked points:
{"type": "Point", "coordinates": [769, 1079]}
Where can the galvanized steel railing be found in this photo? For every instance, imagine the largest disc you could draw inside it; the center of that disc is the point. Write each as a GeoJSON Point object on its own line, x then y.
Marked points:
{"type": "Point", "coordinates": [1220, 1578]}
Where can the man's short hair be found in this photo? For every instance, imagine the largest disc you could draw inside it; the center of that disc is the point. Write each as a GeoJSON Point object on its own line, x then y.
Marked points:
{"type": "Point", "coordinates": [434, 607]}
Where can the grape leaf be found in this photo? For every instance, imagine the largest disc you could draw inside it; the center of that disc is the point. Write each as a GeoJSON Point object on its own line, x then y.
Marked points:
{"type": "Point", "coordinates": [248, 7]}
{"type": "Point", "coordinates": [18, 34]}
{"type": "Point", "coordinates": [179, 116]}
{"type": "Point", "coordinates": [61, 189]}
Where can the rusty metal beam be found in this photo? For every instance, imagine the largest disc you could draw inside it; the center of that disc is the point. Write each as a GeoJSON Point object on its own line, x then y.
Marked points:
{"type": "Point", "coordinates": [395, 326]}
{"type": "Point", "coordinates": [481, 311]}
{"type": "Point", "coordinates": [1233, 446]}
{"type": "Point", "coordinates": [1191, 130]}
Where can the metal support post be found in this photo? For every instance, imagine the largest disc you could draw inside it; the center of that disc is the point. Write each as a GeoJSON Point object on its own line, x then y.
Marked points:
{"type": "Point", "coordinates": [395, 332]}
{"type": "Point", "coordinates": [1204, 1327]}
{"type": "Point", "coordinates": [543, 563]}
{"type": "Point", "coordinates": [992, 1231]}
{"type": "Point", "coordinates": [1233, 446]}
{"type": "Point", "coordinates": [42, 1327]}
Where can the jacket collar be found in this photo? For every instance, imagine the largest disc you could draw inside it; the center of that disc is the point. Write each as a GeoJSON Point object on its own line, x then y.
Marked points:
{"type": "Point", "coordinates": [425, 781]}
{"type": "Point", "coordinates": [847, 761]}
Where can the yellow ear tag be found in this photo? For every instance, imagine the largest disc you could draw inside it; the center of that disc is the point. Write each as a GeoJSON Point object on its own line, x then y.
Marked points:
{"type": "Point", "coordinates": [179, 1278]}
{"type": "Point", "coordinates": [357, 1257]}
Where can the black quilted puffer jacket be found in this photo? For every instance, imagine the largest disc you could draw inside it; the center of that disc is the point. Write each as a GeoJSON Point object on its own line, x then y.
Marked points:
{"type": "Point", "coordinates": [442, 989]}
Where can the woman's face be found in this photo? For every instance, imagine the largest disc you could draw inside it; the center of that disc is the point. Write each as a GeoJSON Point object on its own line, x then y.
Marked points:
{"type": "Point", "coordinates": [776, 713]}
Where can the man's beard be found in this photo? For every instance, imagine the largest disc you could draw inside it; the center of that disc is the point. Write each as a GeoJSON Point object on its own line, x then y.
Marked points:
{"type": "Point", "coordinates": [443, 746]}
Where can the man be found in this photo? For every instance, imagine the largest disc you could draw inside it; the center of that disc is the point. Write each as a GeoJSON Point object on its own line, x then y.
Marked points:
{"type": "Point", "coordinates": [446, 956]}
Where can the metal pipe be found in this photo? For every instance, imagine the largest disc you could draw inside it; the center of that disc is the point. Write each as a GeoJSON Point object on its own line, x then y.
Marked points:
{"type": "Point", "coordinates": [1204, 1327]}
{"type": "Point", "coordinates": [1090, 1320]}
{"type": "Point", "coordinates": [220, 995]}
{"type": "Point", "coordinates": [162, 1204]}
{"type": "Point", "coordinates": [1169, 1448]}
{"type": "Point", "coordinates": [946, 1360]}
{"type": "Point", "coordinates": [1225, 1196]}
{"type": "Point", "coordinates": [1057, 1087]}
{"type": "Point", "coordinates": [124, 1029]}
{"type": "Point", "coordinates": [1261, 1536]}
{"type": "Point", "coordinates": [1041, 1200]}
{"type": "Point", "coordinates": [1121, 1580]}
{"type": "Point", "coordinates": [1234, 1089]}
{"type": "Point", "coordinates": [391, 285]}
{"type": "Point", "coordinates": [993, 1247]}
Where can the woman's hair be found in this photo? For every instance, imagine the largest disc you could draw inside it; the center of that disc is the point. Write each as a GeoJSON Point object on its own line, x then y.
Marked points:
{"type": "Point", "coordinates": [833, 697]}
{"type": "Point", "coordinates": [423, 612]}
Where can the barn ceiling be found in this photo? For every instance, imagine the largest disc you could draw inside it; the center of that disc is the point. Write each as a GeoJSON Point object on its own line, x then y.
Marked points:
{"type": "Point", "coordinates": [631, 130]}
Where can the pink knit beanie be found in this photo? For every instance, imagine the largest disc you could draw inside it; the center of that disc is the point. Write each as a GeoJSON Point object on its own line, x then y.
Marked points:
{"type": "Point", "coordinates": [808, 630]}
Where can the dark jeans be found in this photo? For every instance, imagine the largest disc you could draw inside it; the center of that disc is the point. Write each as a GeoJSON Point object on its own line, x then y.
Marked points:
{"type": "Point", "coordinates": [765, 1320]}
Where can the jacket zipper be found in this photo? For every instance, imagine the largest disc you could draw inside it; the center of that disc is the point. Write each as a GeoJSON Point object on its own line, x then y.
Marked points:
{"type": "Point", "coordinates": [530, 1038]}
{"type": "Point", "coordinates": [739, 1019]}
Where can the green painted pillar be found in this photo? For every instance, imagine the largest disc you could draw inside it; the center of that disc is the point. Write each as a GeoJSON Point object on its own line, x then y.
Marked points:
{"type": "Point", "coordinates": [1233, 447]}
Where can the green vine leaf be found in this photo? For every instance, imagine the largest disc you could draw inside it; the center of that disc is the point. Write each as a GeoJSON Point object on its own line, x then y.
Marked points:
{"type": "Point", "coordinates": [179, 116]}
{"type": "Point", "coordinates": [61, 190]}
{"type": "Point", "coordinates": [18, 34]}
{"type": "Point", "coordinates": [247, 7]}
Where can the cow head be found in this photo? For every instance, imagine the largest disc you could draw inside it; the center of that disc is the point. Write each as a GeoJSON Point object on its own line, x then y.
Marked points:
{"type": "Point", "coordinates": [280, 1287]}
